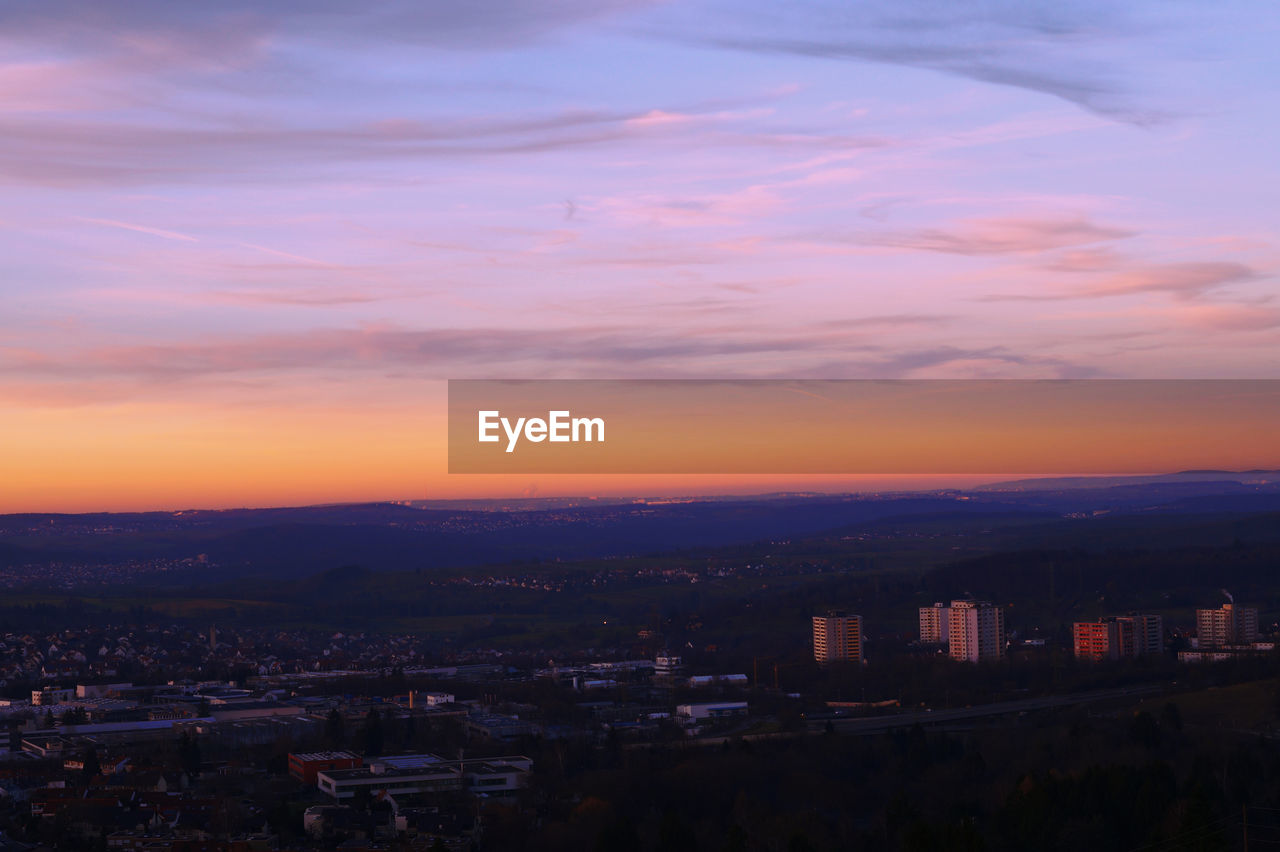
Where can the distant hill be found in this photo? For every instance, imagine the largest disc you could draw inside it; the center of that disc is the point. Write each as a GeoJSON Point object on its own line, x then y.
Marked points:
{"type": "Point", "coordinates": [295, 542]}
{"type": "Point", "coordinates": [301, 541]}
{"type": "Point", "coordinates": [1259, 478]}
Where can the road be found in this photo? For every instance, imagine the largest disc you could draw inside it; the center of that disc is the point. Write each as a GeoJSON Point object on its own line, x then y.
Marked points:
{"type": "Point", "coordinates": [879, 724]}
{"type": "Point", "coordinates": [865, 725]}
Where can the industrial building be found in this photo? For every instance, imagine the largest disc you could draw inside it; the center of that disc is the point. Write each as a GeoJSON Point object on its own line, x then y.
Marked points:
{"type": "Point", "coordinates": [419, 776]}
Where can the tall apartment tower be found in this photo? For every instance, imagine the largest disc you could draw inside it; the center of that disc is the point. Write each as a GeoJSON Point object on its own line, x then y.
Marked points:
{"type": "Point", "coordinates": [837, 636]}
{"type": "Point", "coordinates": [1227, 625]}
{"type": "Point", "coordinates": [976, 631]}
{"type": "Point", "coordinates": [1115, 638]}
{"type": "Point", "coordinates": [935, 624]}
{"type": "Point", "coordinates": [1097, 640]}
{"type": "Point", "coordinates": [1148, 633]}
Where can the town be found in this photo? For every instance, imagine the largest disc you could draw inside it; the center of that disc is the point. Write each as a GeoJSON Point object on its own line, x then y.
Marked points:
{"type": "Point", "coordinates": [116, 736]}
{"type": "Point", "coordinates": [241, 692]}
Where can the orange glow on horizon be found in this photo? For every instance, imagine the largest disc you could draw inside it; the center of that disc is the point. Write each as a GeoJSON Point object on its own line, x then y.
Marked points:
{"type": "Point", "coordinates": [158, 457]}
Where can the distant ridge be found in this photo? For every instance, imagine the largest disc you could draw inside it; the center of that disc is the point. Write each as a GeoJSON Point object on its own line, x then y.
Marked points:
{"type": "Point", "coordinates": [1061, 483]}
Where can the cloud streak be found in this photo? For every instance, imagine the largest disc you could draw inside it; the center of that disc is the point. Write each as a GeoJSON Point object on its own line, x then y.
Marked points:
{"type": "Point", "coordinates": [478, 24]}
{"type": "Point", "coordinates": [60, 151]}
{"type": "Point", "coordinates": [570, 351]}
{"type": "Point", "coordinates": [998, 236]}
{"type": "Point", "coordinates": [141, 229]}
{"type": "Point", "coordinates": [1181, 280]}
{"type": "Point", "coordinates": [1034, 46]}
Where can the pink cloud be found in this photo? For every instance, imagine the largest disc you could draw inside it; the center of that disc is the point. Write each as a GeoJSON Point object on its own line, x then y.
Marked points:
{"type": "Point", "coordinates": [703, 210]}
{"type": "Point", "coordinates": [1182, 280]}
{"type": "Point", "coordinates": [47, 86]}
{"type": "Point", "coordinates": [656, 117]}
{"type": "Point", "coordinates": [1087, 260]}
{"type": "Point", "coordinates": [1011, 235]}
{"type": "Point", "coordinates": [1228, 317]}
{"type": "Point", "coordinates": [1112, 274]}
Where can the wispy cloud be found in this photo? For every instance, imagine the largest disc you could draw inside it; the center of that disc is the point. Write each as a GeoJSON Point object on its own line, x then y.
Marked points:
{"type": "Point", "coordinates": [888, 321]}
{"type": "Point", "coordinates": [1182, 280]}
{"type": "Point", "coordinates": [478, 24]}
{"type": "Point", "coordinates": [141, 229]}
{"type": "Point", "coordinates": [1113, 275]}
{"type": "Point", "coordinates": [688, 211]}
{"type": "Point", "coordinates": [378, 348]}
{"type": "Point", "coordinates": [60, 150]}
{"type": "Point", "coordinates": [1012, 235]}
{"type": "Point", "coordinates": [570, 351]}
{"type": "Point", "coordinates": [1035, 46]}
{"type": "Point", "coordinates": [1228, 317]}
{"type": "Point", "coordinates": [300, 296]}
{"type": "Point", "coordinates": [956, 362]}
{"type": "Point", "coordinates": [310, 261]}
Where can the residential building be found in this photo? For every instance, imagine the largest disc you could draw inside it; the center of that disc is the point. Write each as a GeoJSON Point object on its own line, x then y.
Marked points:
{"type": "Point", "coordinates": [1096, 640]}
{"type": "Point", "coordinates": [976, 631]}
{"type": "Point", "coordinates": [837, 636]}
{"type": "Point", "coordinates": [1104, 639]}
{"type": "Point", "coordinates": [1119, 637]}
{"type": "Point", "coordinates": [1227, 625]}
{"type": "Point", "coordinates": [1148, 633]}
{"type": "Point", "coordinates": [935, 624]}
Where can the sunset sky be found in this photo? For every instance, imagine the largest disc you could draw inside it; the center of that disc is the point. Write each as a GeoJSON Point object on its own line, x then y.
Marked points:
{"type": "Point", "coordinates": [244, 244]}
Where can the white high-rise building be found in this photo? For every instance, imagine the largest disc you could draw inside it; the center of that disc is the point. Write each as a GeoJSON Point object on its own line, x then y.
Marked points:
{"type": "Point", "coordinates": [1133, 635]}
{"type": "Point", "coordinates": [976, 631]}
{"type": "Point", "coordinates": [1148, 633]}
{"type": "Point", "coordinates": [837, 636]}
{"type": "Point", "coordinates": [935, 624]}
{"type": "Point", "coordinates": [1228, 625]}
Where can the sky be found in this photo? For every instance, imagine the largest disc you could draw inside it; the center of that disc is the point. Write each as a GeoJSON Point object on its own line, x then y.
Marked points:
{"type": "Point", "coordinates": [243, 245]}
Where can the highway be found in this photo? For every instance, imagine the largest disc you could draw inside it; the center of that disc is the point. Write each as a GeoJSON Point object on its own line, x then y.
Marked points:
{"type": "Point", "coordinates": [867, 725]}
{"type": "Point", "coordinates": [879, 724]}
